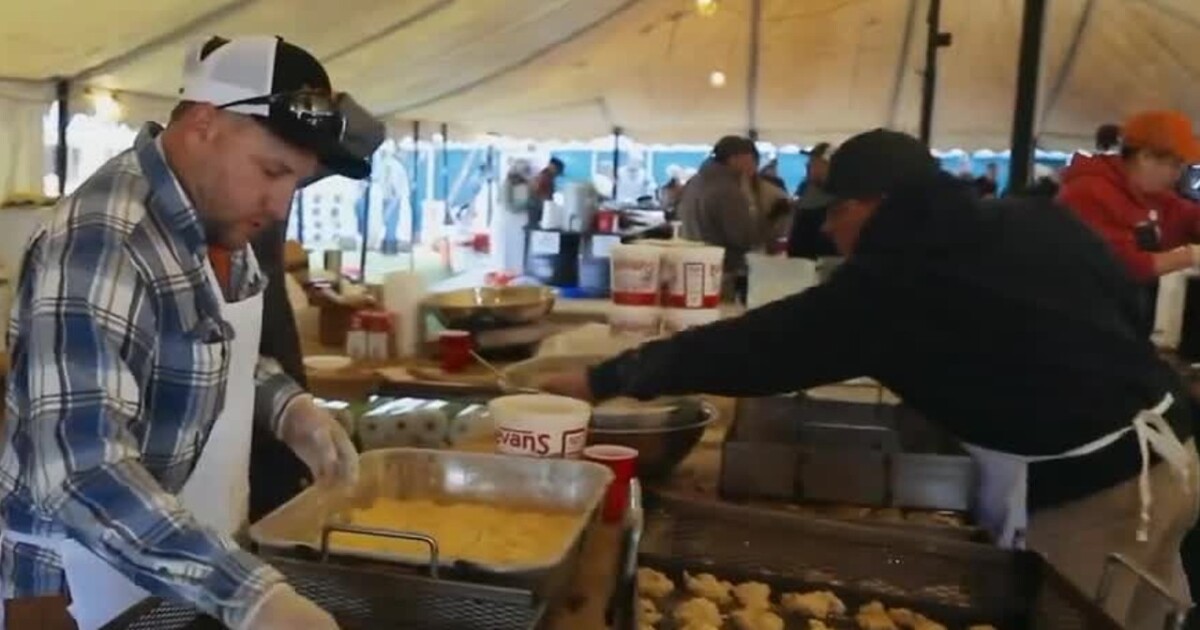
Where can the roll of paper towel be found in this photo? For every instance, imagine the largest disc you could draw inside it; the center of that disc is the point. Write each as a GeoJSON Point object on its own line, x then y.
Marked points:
{"type": "Point", "coordinates": [403, 292]}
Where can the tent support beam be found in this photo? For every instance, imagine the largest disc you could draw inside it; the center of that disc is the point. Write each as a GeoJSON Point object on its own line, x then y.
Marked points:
{"type": "Point", "coordinates": [62, 91]}
{"type": "Point", "coordinates": [165, 39]}
{"type": "Point", "coordinates": [902, 63]}
{"type": "Point", "coordinates": [1068, 65]}
{"type": "Point", "coordinates": [425, 12]}
{"type": "Point", "coordinates": [1029, 63]}
{"type": "Point", "coordinates": [617, 131]}
{"type": "Point", "coordinates": [934, 40]}
{"type": "Point", "coordinates": [531, 58]}
{"type": "Point", "coordinates": [752, 70]}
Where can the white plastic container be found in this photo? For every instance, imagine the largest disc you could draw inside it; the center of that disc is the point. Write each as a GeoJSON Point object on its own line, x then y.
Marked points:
{"type": "Point", "coordinates": [636, 274]}
{"type": "Point", "coordinates": [637, 321]}
{"type": "Point", "coordinates": [692, 276]}
{"type": "Point", "coordinates": [403, 292]}
{"type": "Point", "coordinates": [540, 425]}
{"type": "Point", "coordinates": [678, 319]}
{"type": "Point", "coordinates": [775, 277]}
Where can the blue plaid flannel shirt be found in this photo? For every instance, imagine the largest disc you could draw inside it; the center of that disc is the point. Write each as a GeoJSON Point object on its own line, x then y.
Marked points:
{"type": "Point", "coordinates": [117, 373]}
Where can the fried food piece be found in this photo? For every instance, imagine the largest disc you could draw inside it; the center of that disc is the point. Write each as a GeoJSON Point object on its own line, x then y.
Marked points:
{"type": "Point", "coordinates": [706, 585]}
{"type": "Point", "coordinates": [653, 584]}
{"type": "Point", "coordinates": [902, 617]}
{"type": "Point", "coordinates": [753, 595]}
{"type": "Point", "coordinates": [817, 624]}
{"type": "Point", "coordinates": [819, 604]}
{"type": "Point", "coordinates": [697, 611]}
{"type": "Point", "coordinates": [925, 623]}
{"type": "Point", "coordinates": [700, 626]}
{"type": "Point", "coordinates": [757, 619]}
{"type": "Point", "coordinates": [648, 612]}
{"type": "Point", "coordinates": [874, 616]}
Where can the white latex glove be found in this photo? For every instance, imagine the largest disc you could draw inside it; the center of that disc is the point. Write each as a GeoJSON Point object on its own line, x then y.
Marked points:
{"type": "Point", "coordinates": [282, 608]}
{"type": "Point", "coordinates": [319, 441]}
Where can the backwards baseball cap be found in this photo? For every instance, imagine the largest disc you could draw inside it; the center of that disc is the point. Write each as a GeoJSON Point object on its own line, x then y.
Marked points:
{"type": "Point", "coordinates": [1165, 131]}
{"type": "Point", "coordinates": [730, 146]}
{"type": "Point", "coordinates": [874, 164]}
{"type": "Point", "coordinates": [282, 86]}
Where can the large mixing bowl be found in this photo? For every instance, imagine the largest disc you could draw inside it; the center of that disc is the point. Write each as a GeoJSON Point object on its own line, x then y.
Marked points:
{"type": "Point", "coordinates": [613, 414]}
{"type": "Point", "coordinates": [489, 308]}
{"type": "Point", "coordinates": [660, 449]}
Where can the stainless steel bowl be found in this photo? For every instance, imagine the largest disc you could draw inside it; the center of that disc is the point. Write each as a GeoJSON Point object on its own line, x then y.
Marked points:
{"type": "Point", "coordinates": [614, 414]}
{"type": "Point", "coordinates": [660, 449]}
{"type": "Point", "coordinates": [488, 308]}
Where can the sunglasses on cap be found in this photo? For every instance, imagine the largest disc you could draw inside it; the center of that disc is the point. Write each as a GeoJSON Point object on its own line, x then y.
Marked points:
{"type": "Point", "coordinates": [314, 109]}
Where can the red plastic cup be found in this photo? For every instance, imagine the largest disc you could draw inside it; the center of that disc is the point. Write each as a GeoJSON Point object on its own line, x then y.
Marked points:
{"type": "Point", "coordinates": [454, 349]}
{"type": "Point", "coordinates": [622, 461]}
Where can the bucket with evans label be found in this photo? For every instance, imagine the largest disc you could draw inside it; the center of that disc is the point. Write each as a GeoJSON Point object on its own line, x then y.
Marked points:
{"type": "Point", "coordinates": [635, 274]}
{"type": "Point", "coordinates": [540, 425]}
{"type": "Point", "coordinates": [692, 276]}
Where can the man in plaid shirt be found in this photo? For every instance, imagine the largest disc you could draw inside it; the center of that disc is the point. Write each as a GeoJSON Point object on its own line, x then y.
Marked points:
{"type": "Point", "coordinates": [135, 368]}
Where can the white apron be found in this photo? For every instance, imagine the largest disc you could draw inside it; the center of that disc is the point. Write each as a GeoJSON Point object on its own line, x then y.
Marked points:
{"type": "Point", "coordinates": [217, 493]}
{"type": "Point", "coordinates": [1003, 486]}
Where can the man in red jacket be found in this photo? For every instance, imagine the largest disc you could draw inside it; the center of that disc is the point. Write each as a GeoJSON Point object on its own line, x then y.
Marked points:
{"type": "Point", "coordinates": [1129, 198]}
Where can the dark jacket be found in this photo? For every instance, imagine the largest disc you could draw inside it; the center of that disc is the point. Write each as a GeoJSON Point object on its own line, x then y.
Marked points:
{"type": "Point", "coordinates": [276, 474]}
{"type": "Point", "coordinates": [1007, 322]}
{"type": "Point", "coordinates": [715, 209]}
{"type": "Point", "coordinates": [806, 239]}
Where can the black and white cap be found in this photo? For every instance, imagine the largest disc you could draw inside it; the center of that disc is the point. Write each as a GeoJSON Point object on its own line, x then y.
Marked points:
{"type": "Point", "coordinates": [282, 86]}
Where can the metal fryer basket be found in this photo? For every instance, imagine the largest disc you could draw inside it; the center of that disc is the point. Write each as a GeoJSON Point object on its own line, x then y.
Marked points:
{"type": "Point", "coordinates": [934, 573]}
{"type": "Point", "coordinates": [365, 600]}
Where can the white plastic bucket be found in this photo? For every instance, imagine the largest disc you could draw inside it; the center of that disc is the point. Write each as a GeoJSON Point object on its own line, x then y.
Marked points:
{"type": "Point", "coordinates": [540, 425]}
{"type": "Point", "coordinates": [692, 276]}
{"type": "Point", "coordinates": [635, 274]}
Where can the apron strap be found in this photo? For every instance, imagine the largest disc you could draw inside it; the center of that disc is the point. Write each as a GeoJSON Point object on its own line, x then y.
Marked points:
{"type": "Point", "coordinates": [1155, 434]}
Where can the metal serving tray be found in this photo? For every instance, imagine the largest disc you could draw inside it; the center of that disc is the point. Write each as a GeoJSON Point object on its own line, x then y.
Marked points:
{"type": "Point", "coordinates": [953, 581]}
{"type": "Point", "coordinates": [302, 526]}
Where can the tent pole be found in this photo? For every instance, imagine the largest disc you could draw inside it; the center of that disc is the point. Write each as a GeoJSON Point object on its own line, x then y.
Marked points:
{"type": "Point", "coordinates": [934, 40]}
{"type": "Point", "coordinates": [1029, 63]}
{"type": "Point", "coordinates": [752, 71]}
{"type": "Point", "coordinates": [412, 191]}
{"type": "Point", "coordinates": [617, 131]}
{"type": "Point", "coordinates": [366, 227]}
{"type": "Point", "coordinates": [62, 90]}
{"type": "Point", "coordinates": [444, 180]}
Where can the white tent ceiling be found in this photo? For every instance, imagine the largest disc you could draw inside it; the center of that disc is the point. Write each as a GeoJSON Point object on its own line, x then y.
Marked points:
{"type": "Point", "coordinates": [578, 68]}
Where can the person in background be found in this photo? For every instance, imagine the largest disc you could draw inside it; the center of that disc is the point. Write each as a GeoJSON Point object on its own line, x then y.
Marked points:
{"type": "Point", "coordinates": [806, 238]}
{"type": "Point", "coordinates": [670, 192]}
{"type": "Point", "coordinates": [1009, 324]}
{"type": "Point", "coordinates": [509, 222]}
{"type": "Point", "coordinates": [135, 366]}
{"type": "Point", "coordinates": [770, 173]}
{"type": "Point", "coordinates": [715, 207]}
{"type": "Point", "coordinates": [543, 187]}
{"type": "Point", "coordinates": [1130, 200]}
{"type": "Point", "coordinates": [772, 209]}
{"type": "Point", "coordinates": [1108, 139]}
{"type": "Point", "coordinates": [987, 185]}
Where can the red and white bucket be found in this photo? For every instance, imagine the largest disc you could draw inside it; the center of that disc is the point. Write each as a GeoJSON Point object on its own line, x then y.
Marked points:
{"type": "Point", "coordinates": [636, 274]}
{"type": "Point", "coordinates": [692, 276]}
{"type": "Point", "coordinates": [540, 425]}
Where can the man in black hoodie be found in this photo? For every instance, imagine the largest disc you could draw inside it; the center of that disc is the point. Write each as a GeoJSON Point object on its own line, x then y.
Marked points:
{"type": "Point", "coordinates": [1008, 323]}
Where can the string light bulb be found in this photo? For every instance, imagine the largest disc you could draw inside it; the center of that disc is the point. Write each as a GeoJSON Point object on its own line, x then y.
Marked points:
{"type": "Point", "coordinates": [706, 8]}
{"type": "Point", "coordinates": [716, 79]}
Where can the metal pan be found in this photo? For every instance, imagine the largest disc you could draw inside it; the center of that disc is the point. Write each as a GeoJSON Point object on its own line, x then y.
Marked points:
{"type": "Point", "coordinates": [299, 526]}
